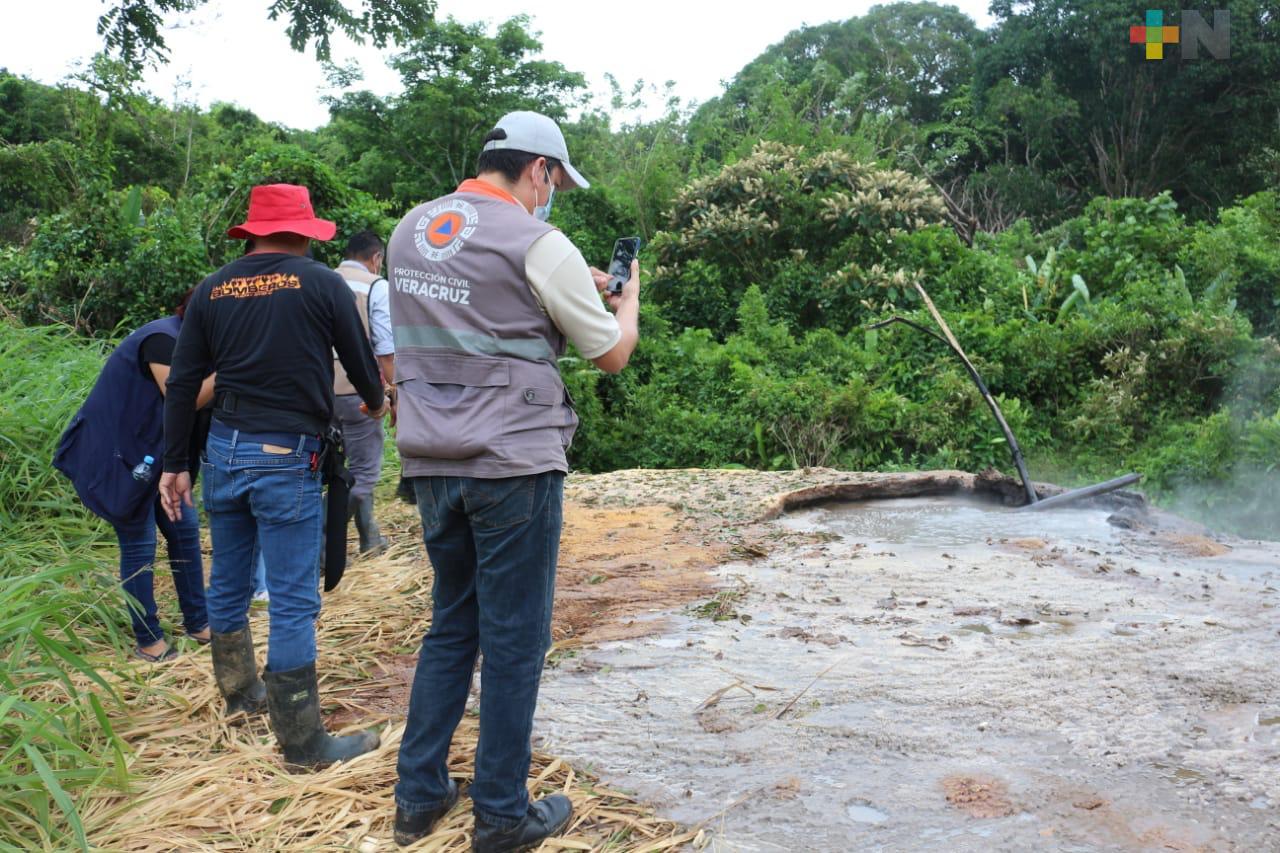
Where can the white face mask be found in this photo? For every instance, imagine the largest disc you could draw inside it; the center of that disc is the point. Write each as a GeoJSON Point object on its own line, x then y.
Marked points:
{"type": "Point", "coordinates": [542, 212]}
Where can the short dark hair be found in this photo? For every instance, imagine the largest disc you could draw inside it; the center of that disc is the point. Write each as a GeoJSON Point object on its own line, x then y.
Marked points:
{"type": "Point", "coordinates": [363, 245]}
{"type": "Point", "coordinates": [181, 310]}
{"type": "Point", "coordinates": [508, 162]}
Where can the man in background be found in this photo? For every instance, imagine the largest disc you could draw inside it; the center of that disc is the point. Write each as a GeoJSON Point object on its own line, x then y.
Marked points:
{"type": "Point", "coordinates": [362, 436]}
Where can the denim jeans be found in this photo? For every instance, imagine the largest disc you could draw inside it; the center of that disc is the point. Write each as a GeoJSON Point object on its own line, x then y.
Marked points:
{"type": "Point", "coordinates": [272, 500]}
{"type": "Point", "coordinates": [493, 546]}
{"type": "Point", "coordinates": [138, 555]}
{"type": "Point", "coordinates": [259, 571]}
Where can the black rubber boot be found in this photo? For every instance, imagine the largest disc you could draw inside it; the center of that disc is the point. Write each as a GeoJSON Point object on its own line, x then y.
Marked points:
{"type": "Point", "coordinates": [546, 818]}
{"type": "Point", "coordinates": [412, 826]}
{"type": "Point", "coordinates": [236, 673]}
{"type": "Point", "coordinates": [371, 539]}
{"type": "Point", "coordinates": [294, 701]}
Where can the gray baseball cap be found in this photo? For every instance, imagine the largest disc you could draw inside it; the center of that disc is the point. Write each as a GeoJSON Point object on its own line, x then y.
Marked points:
{"type": "Point", "coordinates": [535, 133]}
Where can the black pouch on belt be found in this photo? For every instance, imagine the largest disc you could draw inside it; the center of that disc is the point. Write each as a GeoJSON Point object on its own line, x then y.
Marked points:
{"type": "Point", "coordinates": [333, 466]}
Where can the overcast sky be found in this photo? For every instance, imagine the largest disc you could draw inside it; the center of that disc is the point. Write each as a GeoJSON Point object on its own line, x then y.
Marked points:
{"type": "Point", "coordinates": [229, 51]}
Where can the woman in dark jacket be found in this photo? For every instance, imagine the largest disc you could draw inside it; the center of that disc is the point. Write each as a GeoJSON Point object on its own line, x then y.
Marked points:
{"type": "Point", "coordinates": [105, 452]}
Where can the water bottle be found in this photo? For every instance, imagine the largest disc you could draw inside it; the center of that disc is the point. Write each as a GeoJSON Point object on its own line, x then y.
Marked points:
{"type": "Point", "coordinates": [142, 471]}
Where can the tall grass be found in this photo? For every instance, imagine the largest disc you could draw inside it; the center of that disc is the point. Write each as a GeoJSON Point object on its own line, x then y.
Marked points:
{"type": "Point", "coordinates": [59, 602]}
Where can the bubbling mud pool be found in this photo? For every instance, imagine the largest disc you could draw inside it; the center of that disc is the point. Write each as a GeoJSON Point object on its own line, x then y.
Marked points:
{"type": "Point", "coordinates": [938, 673]}
{"type": "Point", "coordinates": [941, 521]}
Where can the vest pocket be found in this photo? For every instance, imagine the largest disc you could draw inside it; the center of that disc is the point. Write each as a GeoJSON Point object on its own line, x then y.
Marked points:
{"type": "Point", "coordinates": [451, 407]}
{"type": "Point", "coordinates": [533, 409]}
{"type": "Point", "coordinates": [116, 496]}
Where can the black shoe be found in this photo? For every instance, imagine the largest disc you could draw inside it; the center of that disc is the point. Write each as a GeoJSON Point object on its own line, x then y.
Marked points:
{"type": "Point", "coordinates": [371, 538]}
{"type": "Point", "coordinates": [546, 818]}
{"type": "Point", "coordinates": [412, 826]}
{"type": "Point", "coordinates": [236, 673]}
{"type": "Point", "coordinates": [294, 702]}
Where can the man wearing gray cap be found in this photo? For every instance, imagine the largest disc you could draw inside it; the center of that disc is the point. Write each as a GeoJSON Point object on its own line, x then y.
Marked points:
{"type": "Point", "coordinates": [484, 296]}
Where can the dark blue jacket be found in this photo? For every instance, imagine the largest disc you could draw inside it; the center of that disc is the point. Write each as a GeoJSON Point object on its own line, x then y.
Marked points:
{"type": "Point", "coordinates": [121, 422]}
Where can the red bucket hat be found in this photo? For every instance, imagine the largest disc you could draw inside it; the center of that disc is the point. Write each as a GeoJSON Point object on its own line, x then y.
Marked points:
{"type": "Point", "coordinates": [282, 207]}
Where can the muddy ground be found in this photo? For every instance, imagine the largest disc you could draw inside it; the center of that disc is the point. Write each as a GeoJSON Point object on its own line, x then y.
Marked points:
{"type": "Point", "coordinates": [917, 674]}
{"type": "Point", "coordinates": [831, 661]}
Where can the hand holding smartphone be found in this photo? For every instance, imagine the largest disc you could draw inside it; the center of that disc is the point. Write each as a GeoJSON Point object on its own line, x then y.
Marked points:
{"type": "Point", "coordinates": [625, 250]}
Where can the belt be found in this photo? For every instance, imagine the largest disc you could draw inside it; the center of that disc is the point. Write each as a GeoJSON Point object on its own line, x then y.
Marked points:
{"type": "Point", "coordinates": [234, 404]}
{"type": "Point", "coordinates": [302, 442]}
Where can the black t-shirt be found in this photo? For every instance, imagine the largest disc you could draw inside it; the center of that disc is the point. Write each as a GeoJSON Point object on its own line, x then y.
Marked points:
{"type": "Point", "coordinates": [268, 324]}
{"type": "Point", "coordinates": [155, 349]}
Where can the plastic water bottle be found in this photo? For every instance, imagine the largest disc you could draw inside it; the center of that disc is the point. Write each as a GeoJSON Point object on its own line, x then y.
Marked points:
{"type": "Point", "coordinates": [142, 471]}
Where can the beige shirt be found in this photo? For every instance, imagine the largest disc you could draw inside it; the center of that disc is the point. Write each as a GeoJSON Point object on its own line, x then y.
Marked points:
{"type": "Point", "coordinates": [562, 284]}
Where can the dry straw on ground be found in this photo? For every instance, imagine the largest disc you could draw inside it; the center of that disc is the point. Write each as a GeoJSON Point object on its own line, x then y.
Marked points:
{"type": "Point", "coordinates": [203, 785]}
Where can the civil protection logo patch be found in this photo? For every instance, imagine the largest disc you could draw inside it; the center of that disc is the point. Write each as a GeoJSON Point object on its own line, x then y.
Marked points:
{"type": "Point", "coordinates": [443, 229]}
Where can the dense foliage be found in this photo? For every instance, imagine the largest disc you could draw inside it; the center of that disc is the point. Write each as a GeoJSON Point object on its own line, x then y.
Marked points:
{"type": "Point", "coordinates": [1112, 266]}
{"type": "Point", "coordinates": [821, 234]}
{"type": "Point", "coordinates": [1105, 353]}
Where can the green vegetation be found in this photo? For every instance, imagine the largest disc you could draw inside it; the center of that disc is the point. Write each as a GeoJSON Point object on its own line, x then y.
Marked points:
{"type": "Point", "coordinates": [1109, 258]}
{"type": "Point", "coordinates": [1117, 288]}
{"type": "Point", "coordinates": [59, 602]}
{"type": "Point", "coordinates": [1106, 354]}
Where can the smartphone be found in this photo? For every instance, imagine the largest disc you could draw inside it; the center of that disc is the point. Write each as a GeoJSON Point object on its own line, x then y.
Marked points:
{"type": "Point", "coordinates": [625, 250]}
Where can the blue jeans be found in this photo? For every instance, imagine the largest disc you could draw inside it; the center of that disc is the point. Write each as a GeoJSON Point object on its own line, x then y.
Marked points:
{"type": "Point", "coordinates": [272, 500]}
{"type": "Point", "coordinates": [138, 555]}
{"type": "Point", "coordinates": [493, 546]}
{"type": "Point", "coordinates": [259, 571]}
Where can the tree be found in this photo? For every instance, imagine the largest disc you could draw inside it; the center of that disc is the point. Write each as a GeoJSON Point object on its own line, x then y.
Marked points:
{"type": "Point", "coordinates": [458, 80]}
{"type": "Point", "coordinates": [1000, 162]}
{"type": "Point", "coordinates": [1145, 125]}
{"type": "Point", "coordinates": [900, 62]}
{"type": "Point", "coordinates": [819, 233]}
{"type": "Point", "coordinates": [640, 165]}
{"type": "Point", "coordinates": [131, 28]}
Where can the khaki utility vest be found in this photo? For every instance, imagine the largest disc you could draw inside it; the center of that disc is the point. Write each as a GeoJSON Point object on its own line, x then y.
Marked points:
{"type": "Point", "coordinates": [341, 384]}
{"type": "Point", "coordinates": [476, 356]}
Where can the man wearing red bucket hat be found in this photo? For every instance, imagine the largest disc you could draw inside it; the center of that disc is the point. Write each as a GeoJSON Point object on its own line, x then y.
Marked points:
{"type": "Point", "coordinates": [268, 323]}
